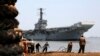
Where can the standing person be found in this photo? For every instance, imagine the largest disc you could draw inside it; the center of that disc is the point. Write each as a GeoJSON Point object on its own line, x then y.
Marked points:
{"type": "Point", "coordinates": [45, 47]}
{"type": "Point", "coordinates": [23, 44]}
{"type": "Point", "coordinates": [37, 47]}
{"type": "Point", "coordinates": [69, 48]}
{"type": "Point", "coordinates": [29, 47]}
{"type": "Point", "coordinates": [82, 43]}
{"type": "Point", "coordinates": [32, 47]}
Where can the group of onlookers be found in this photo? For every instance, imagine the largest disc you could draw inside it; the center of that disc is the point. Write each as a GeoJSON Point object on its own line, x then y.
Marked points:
{"type": "Point", "coordinates": [32, 47]}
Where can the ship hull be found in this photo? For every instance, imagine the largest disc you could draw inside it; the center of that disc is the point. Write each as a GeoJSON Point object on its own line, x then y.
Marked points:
{"type": "Point", "coordinates": [72, 33]}
{"type": "Point", "coordinates": [63, 36]}
{"type": "Point", "coordinates": [56, 36]}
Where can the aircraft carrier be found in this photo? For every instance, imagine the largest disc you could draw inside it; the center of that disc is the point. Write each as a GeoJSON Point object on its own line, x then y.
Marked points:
{"type": "Point", "coordinates": [41, 33]}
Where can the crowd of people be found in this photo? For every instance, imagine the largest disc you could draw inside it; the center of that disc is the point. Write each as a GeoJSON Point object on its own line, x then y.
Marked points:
{"type": "Point", "coordinates": [31, 47]}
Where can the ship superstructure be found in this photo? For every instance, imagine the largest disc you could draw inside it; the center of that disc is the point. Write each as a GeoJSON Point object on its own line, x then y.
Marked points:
{"type": "Point", "coordinates": [57, 34]}
{"type": "Point", "coordinates": [41, 24]}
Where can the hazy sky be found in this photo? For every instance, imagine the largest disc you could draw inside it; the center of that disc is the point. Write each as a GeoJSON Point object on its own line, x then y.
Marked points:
{"type": "Point", "coordinates": [60, 13]}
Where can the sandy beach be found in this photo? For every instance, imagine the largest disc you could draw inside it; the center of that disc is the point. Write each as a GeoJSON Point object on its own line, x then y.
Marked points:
{"type": "Point", "coordinates": [65, 54]}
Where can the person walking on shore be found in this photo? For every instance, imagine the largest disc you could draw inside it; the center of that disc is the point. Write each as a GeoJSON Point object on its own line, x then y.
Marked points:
{"type": "Point", "coordinates": [37, 47]}
{"type": "Point", "coordinates": [45, 47]}
{"type": "Point", "coordinates": [82, 43]}
{"type": "Point", "coordinates": [69, 48]}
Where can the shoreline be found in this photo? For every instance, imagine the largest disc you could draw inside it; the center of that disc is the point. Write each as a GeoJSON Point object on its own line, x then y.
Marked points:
{"type": "Point", "coordinates": [53, 53]}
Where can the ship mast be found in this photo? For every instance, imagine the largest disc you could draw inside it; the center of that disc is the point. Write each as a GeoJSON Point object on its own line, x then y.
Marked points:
{"type": "Point", "coordinates": [41, 14]}
{"type": "Point", "coordinates": [41, 18]}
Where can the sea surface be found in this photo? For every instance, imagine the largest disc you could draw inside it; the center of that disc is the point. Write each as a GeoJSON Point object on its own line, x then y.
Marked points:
{"type": "Point", "coordinates": [92, 45]}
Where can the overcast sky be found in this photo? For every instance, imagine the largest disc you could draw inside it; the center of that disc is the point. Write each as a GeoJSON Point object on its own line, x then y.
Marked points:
{"type": "Point", "coordinates": [59, 13]}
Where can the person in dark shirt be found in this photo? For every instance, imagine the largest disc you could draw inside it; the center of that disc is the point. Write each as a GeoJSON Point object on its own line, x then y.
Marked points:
{"type": "Point", "coordinates": [82, 43]}
{"type": "Point", "coordinates": [32, 47]}
{"type": "Point", "coordinates": [69, 49]}
{"type": "Point", "coordinates": [37, 47]}
{"type": "Point", "coordinates": [45, 47]}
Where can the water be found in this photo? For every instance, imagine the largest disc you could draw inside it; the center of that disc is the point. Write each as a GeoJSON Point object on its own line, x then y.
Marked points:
{"type": "Point", "coordinates": [92, 45]}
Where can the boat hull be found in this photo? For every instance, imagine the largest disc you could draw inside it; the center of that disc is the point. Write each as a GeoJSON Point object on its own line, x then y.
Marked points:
{"type": "Point", "coordinates": [57, 36]}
